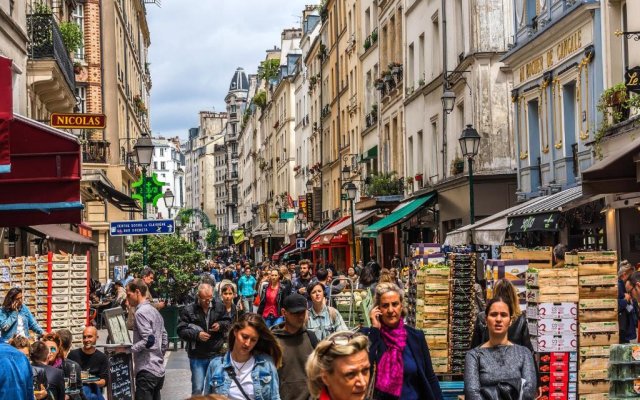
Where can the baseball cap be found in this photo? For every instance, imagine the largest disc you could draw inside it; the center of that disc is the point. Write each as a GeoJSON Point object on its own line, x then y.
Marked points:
{"type": "Point", "coordinates": [295, 303]}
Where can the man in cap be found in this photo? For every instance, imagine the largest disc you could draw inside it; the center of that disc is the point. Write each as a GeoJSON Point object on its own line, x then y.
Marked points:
{"type": "Point", "coordinates": [297, 344]}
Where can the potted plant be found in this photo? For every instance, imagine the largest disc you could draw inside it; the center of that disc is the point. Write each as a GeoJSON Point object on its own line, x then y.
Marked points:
{"type": "Point", "coordinates": [386, 76]}
{"type": "Point", "coordinates": [395, 68]}
{"type": "Point", "coordinates": [408, 182]}
{"type": "Point", "coordinates": [458, 165]}
{"type": "Point", "coordinates": [374, 36]}
{"type": "Point", "coordinates": [367, 43]}
{"type": "Point", "coordinates": [418, 177]}
{"type": "Point", "coordinates": [379, 83]}
{"type": "Point", "coordinates": [77, 68]}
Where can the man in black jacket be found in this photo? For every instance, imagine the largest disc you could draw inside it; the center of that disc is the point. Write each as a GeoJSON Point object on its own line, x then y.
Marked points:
{"type": "Point", "coordinates": [297, 344]}
{"type": "Point", "coordinates": [203, 325]}
{"type": "Point", "coordinates": [303, 279]}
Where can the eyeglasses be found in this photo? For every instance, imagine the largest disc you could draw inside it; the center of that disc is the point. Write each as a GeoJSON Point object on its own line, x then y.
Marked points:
{"type": "Point", "coordinates": [342, 339]}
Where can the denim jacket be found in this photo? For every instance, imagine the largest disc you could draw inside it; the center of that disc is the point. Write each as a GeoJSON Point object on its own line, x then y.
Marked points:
{"type": "Point", "coordinates": [264, 375]}
{"type": "Point", "coordinates": [9, 323]}
{"type": "Point", "coordinates": [323, 325]}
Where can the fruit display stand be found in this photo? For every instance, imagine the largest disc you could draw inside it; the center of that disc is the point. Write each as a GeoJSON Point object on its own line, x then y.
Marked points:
{"type": "Point", "coordinates": [624, 372]}
{"type": "Point", "coordinates": [598, 328]}
{"type": "Point", "coordinates": [432, 312]}
{"type": "Point", "coordinates": [55, 289]}
{"type": "Point", "coordinates": [512, 270]}
{"type": "Point", "coordinates": [539, 257]}
{"type": "Point", "coordinates": [353, 305]}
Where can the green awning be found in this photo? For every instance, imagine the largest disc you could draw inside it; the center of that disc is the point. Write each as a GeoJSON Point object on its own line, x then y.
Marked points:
{"type": "Point", "coordinates": [399, 215]}
{"type": "Point", "coordinates": [370, 154]}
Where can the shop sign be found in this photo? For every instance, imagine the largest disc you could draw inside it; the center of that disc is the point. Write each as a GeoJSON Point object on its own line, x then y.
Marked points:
{"type": "Point", "coordinates": [309, 207]}
{"type": "Point", "coordinates": [78, 121]}
{"type": "Point", "coordinates": [532, 223]}
{"type": "Point", "coordinates": [632, 79]}
{"type": "Point", "coordinates": [555, 54]}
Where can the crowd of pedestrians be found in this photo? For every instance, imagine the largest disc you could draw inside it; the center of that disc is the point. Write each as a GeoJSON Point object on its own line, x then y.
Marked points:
{"type": "Point", "coordinates": [269, 332]}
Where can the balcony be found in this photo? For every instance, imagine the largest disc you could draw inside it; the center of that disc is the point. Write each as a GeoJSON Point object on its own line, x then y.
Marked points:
{"type": "Point", "coordinates": [234, 175]}
{"type": "Point", "coordinates": [49, 64]}
{"type": "Point", "coordinates": [95, 151]}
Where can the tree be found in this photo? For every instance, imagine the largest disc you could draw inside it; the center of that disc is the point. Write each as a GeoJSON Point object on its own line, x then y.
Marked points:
{"type": "Point", "coordinates": [269, 69]}
{"type": "Point", "coordinates": [260, 99]}
{"type": "Point", "coordinates": [212, 237]}
{"type": "Point", "coordinates": [171, 252]}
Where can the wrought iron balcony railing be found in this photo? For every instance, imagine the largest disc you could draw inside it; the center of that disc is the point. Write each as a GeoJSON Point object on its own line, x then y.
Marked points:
{"type": "Point", "coordinates": [45, 42]}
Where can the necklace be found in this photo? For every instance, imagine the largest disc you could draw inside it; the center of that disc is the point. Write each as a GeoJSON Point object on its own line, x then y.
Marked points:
{"type": "Point", "coordinates": [239, 369]}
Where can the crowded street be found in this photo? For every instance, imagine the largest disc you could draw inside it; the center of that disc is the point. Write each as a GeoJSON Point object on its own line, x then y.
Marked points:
{"type": "Point", "coordinates": [319, 200]}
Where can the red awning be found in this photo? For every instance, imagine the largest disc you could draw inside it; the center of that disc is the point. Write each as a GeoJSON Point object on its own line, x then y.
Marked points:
{"type": "Point", "coordinates": [276, 256]}
{"type": "Point", "coordinates": [327, 241]}
{"type": "Point", "coordinates": [6, 112]}
{"type": "Point", "coordinates": [43, 186]}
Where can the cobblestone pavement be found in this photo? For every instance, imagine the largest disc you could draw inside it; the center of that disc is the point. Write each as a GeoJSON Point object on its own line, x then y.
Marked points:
{"type": "Point", "coordinates": [177, 381]}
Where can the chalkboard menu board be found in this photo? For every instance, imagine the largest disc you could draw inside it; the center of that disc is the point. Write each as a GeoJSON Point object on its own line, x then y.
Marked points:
{"type": "Point", "coordinates": [120, 376]}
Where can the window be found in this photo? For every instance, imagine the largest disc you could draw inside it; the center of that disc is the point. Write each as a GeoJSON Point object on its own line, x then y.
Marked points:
{"type": "Point", "coordinates": [81, 98]}
{"type": "Point", "coordinates": [410, 150]}
{"type": "Point", "coordinates": [435, 147]}
{"type": "Point", "coordinates": [435, 45]}
{"type": "Point", "coordinates": [77, 16]}
{"type": "Point", "coordinates": [161, 152]}
{"type": "Point", "coordinates": [419, 153]}
{"type": "Point", "coordinates": [155, 165]}
{"type": "Point", "coordinates": [162, 165]}
{"type": "Point", "coordinates": [421, 58]}
{"type": "Point", "coordinates": [410, 77]}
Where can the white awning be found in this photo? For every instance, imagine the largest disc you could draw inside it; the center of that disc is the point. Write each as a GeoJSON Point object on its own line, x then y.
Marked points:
{"type": "Point", "coordinates": [488, 231]}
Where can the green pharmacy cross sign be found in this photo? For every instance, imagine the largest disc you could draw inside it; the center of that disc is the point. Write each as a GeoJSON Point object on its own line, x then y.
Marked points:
{"type": "Point", "coordinates": [148, 189]}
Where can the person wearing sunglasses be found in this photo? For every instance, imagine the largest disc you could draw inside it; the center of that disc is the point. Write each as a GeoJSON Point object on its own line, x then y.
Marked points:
{"type": "Point", "coordinates": [339, 367]}
{"type": "Point", "coordinates": [398, 353]}
{"type": "Point", "coordinates": [56, 357]}
{"type": "Point", "coordinates": [627, 305]}
{"type": "Point", "coordinates": [248, 370]}
{"type": "Point", "coordinates": [55, 378]}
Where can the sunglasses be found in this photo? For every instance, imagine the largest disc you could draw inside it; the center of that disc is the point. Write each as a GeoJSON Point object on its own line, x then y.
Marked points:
{"type": "Point", "coordinates": [342, 339]}
{"type": "Point", "coordinates": [53, 349]}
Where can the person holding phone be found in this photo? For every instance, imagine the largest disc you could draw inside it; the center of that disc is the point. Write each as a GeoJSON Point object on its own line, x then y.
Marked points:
{"type": "Point", "coordinates": [15, 317]}
{"type": "Point", "coordinates": [398, 353]}
{"type": "Point", "coordinates": [203, 326]}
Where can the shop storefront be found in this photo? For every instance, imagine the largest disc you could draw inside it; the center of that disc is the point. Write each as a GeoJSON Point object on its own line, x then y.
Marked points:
{"type": "Point", "coordinates": [567, 217]}
{"type": "Point", "coordinates": [388, 232]}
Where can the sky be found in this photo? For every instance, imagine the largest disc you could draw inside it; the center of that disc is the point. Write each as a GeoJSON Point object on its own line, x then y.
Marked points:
{"type": "Point", "coordinates": [196, 46]}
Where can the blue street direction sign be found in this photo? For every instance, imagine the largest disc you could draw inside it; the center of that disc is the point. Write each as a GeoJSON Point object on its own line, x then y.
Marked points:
{"type": "Point", "coordinates": [142, 227]}
{"type": "Point", "coordinates": [301, 243]}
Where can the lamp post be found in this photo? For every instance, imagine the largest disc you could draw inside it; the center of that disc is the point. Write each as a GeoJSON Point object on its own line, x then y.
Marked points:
{"type": "Point", "coordinates": [352, 191]}
{"type": "Point", "coordinates": [169, 199]}
{"type": "Point", "coordinates": [144, 152]}
{"type": "Point", "coordinates": [469, 143]}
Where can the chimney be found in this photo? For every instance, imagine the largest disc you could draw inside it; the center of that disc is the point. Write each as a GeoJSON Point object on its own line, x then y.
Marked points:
{"type": "Point", "coordinates": [6, 89]}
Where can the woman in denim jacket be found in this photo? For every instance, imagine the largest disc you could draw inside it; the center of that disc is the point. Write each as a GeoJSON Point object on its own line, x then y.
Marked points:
{"type": "Point", "coordinates": [323, 320]}
{"type": "Point", "coordinates": [15, 317]}
{"type": "Point", "coordinates": [248, 371]}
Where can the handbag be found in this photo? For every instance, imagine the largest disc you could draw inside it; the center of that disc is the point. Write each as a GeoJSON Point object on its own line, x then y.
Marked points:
{"type": "Point", "coordinates": [506, 390]}
{"type": "Point", "coordinates": [232, 374]}
{"type": "Point", "coordinates": [256, 301]}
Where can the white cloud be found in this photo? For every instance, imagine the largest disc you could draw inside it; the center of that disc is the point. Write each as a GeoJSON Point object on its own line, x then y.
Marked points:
{"type": "Point", "coordinates": [196, 45]}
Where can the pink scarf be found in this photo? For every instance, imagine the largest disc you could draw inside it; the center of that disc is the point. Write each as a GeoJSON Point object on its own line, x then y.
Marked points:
{"type": "Point", "coordinates": [391, 365]}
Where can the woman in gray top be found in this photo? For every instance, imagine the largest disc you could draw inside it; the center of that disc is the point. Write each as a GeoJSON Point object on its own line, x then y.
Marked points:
{"type": "Point", "coordinates": [499, 369]}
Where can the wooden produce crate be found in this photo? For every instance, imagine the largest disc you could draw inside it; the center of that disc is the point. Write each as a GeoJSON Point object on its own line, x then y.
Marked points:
{"type": "Point", "coordinates": [598, 257]}
{"type": "Point", "coordinates": [550, 295]}
{"type": "Point", "coordinates": [598, 333]}
{"type": "Point", "coordinates": [552, 277]}
{"type": "Point", "coordinates": [507, 252]}
{"type": "Point", "coordinates": [597, 310]}
{"type": "Point", "coordinates": [538, 258]}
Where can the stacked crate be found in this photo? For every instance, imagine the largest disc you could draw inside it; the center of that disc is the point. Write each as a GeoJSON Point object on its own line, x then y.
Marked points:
{"type": "Point", "coordinates": [507, 252]}
{"type": "Point", "coordinates": [511, 270]}
{"type": "Point", "coordinates": [557, 373]}
{"type": "Point", "coordinates": [462, 308]}
{"type": "Point", "coordinates": [598, 320]}
{"type": "Point", "coordinates": [432, 312]}
{"type": "Point", "coordinates": [539, 258]}
{"type": "Point", "coordinates": [79, 296]}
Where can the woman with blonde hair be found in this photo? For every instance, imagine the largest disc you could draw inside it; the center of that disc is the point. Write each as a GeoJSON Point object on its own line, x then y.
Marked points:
{"type": "Point", "coordinates": [399, 353]}
{"type": "Point", "coordinates": [518, 329]}
{"type": "Point", "coordinates": [339, 368]}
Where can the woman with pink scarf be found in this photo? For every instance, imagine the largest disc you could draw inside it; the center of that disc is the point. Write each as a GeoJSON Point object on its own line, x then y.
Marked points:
{"type": "Point", "coordinates": [398, 353]}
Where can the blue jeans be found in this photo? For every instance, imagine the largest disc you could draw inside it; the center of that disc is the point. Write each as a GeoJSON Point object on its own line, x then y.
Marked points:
{"type": "Point", "coordinates": [198, 371]}
{"type": "Point", "coordinates": [271, 321]}
{"type": "Point", "coordinates": [247, 303]}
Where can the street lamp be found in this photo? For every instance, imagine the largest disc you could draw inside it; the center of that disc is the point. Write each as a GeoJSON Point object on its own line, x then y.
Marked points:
{"type": "Point", "coordinates": [448, 98]}
{"type": "Point", "coordinates": [469, 143]}
{"type": "Point", "coordinates": [144, 152]}
{"type": "Point", "coordinates": [169, 199]}
{"type": "Point", "coordinates": [352, 191]}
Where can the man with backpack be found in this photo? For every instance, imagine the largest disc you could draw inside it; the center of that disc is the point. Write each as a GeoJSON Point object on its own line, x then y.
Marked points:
{"type": "Point", "coordinates": [297, 344]}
